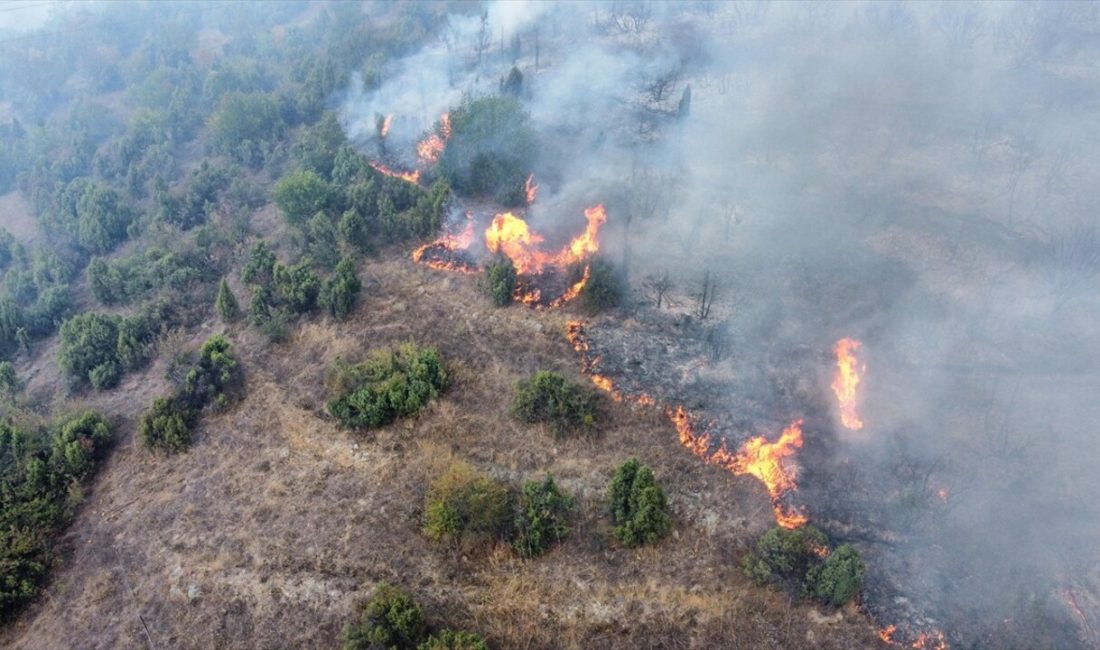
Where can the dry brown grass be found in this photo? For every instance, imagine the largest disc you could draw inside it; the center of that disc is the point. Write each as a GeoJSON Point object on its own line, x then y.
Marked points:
{"type": "Point", "coordinates": [278, 523]}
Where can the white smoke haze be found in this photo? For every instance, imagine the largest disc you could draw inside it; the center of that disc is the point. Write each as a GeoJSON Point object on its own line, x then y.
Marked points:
{"type": "Point", "coordinates": [922, 177]}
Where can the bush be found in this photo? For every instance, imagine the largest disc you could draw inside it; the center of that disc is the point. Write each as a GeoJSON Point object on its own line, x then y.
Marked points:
{"type": "Point", "coordinates": [549, 398]}
{"type": "Point", "coordinates": [542, 519]}
{"type": "Point", "coordinates": [390, 619]}
{"type": "Point", "coordinates": [454, 640]}
{"type": "Point", "coordinates": [9, 381]}
{"type": "Point", "coordinates": [467, 508]}
{"type": "Point", "coordinates": [37, 472]}
{"type": "Point", "coordinates": [226, 303]}
{"type": "Point", "coordinates": [302, 195]}
{"type": "Point", "coordinates": [491, 149]}
{"type": "Point", "coordinates": [500, 280]}
{"type": "Point", "coordinates": [605, 288]}
{"type": "Point", "coordinates": [638, 505]}
{"type": "Point", "coordinates": [839, 578]}
{"type": "Point", "coordinates": [783, 554]}
{"type": "Point", "coordinates": [296, 286]}
{"type": "Point", "coordinates": [167, 426]}
{"type": "Point", "coordinates": [98, 348]}
{"type": "Point", "coordinates": [392, 383]}
{"type": "Point", "coordinates": [341, 291]}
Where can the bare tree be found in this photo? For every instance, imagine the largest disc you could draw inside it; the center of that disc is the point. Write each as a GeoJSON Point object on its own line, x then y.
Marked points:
{"type": "Point", "coordinates": [662, 84]}
{"type": "Point", "coordinates": [705, 298]}
{"type": "Point", "coordinates": [484, 38]}
{"type": "Point", "coordinates": [630, 17]}
{"type": "Point", "coordinates": [656, 285]}
{"type": "Point", "coordinates": [1071, 261]}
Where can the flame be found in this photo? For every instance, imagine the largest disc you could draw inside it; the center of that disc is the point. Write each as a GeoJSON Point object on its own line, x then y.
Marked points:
{"type": "Point", "coordinates": [387, 122]}
{"type": "Point", "coordinates": [412, 177]}
{"type": "Point", "coordinates": [943, 494]}
{"type": "Point", "coordinates": [531, 188]}
{"type": "Point", "coordinates": [846, 380]}
{"type": "Point", "coordinates": [887, 633]}
{"type": "Point", "coordinates": [431, 147]}
{"type": "Point", "coordinates": [757, 457]}
{"type": "Point", "coordinates": [933, 641]}
{"type": "Point", "coordinates": [449, 242]}
{"type": "Point", "coordinates": [510, 235]}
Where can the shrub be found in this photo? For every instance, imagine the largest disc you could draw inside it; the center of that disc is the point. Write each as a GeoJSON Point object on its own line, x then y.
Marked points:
{"type": "Point", "coordinates": [785, 554]}
{"type": "Point", "coordinates": [549, 398]}
{"type": "Point", "coordinates": [167, 426]}
{"type": "Point", "coordinates": [638, 505]}
{"type": "Point", "coordinates": [454, 640]}
{"type": "Point", "coordinates": [97, 348]}
{"type": "Point", "coordinates": [226, 303]}
{"type": "Point", "coordinates": [9, 381]}
{"type": "Point", "coordinates": [542, 519]}
{"type": "Point", "coordinates": [341, 291]}
{"type": "Point", "coordinates": [390, 619]}
{"type": "Point", "coordinates": [605, 288]}
{"type": "Point", "coordinates": [839, 578]}
{"type": "Point", "coordinates": [392, 383]}
{"type": "Point", "coordinates": [302, 195]}
{"type": "Point", "coordinates": [500, 280]}
{"type": "Point", "coordinates": [261, 261]}
{"type": "Point", "coordinates": [296, 286]}
{"type": "Point", "coordinates": [467, 508]}
{"type": "Point", "coordinates": [491, 148]}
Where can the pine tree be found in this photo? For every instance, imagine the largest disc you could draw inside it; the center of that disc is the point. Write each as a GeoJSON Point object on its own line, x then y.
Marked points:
{"type": "Point", "coordinates": [226, 303]}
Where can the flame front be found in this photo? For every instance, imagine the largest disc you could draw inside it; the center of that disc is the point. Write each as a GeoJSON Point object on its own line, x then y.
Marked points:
{"type": "Point", "coordinates": [531, 189]}
{"type": "Point", "coordinates": [387, 122]}
{"type": "Point", "coordinates": [412, 177]}
{"type": "Point", "coordinates": [757, 457]}
{"type": "Point", "coordinates": [846, 381]}
{"type": "Point", "coordinates": [431, 147]}
{"type": "Point", "coordinates": [448, 242]}
{"type": "Point", "coordinates": [510, 235]}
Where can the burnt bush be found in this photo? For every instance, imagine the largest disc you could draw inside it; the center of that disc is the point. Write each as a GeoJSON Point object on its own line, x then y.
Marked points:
{"type": "Point", "coordinates": [392, 383]}
{"type": "Point", "coordinates": [638, 505]}
{"type": "Point", "coordinates": [467, 508]}
{"type": "Point", "coordinates": [548, 398]}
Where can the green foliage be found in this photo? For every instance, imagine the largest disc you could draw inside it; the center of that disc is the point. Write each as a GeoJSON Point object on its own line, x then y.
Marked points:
{"type": "Point", "coordinates": [839, 578]}
{"type": "Point", "coordinates": [547, 397]}
{"type": "Point", "coordinates": [296, 286]}
{"type": "Point", "coordinates": [542, 519]}
{"type": "Point", "coordinates": [102, 219]}
{"type": "Point", "coordinates": [605, 287]}
{"type": "Point", "coordinates": [193, 207]}
{"type": "Point", "coordinates": [97, 348]}
{"type": "Point", "coordinates": [454, 640]}
{"type": "Point", "coordinates": [261, 261]}
{"type": "Point", "coordinates": [125, 280]}
{"type": "Point", "coordinates": [391, 619]}
{"type": "Point", "coordinates": [500, 280]}
{"type": "Point", "coordinates": [341, 291]}
{"type": "Point", "coordinates": [317, 148]}
{"type": "Point", "coordinates": [513, 84]}
{"type": "Point", "coordinates": [226, 303]}
{"type": "Point", "coordinates": [491, 149]}
{"type": "Point", "coordinates": [392, 383]}
{"type": "Point", "coordinates": [354, 230]}
{"type": "Point", "coordinates": [467, 508]}
{"type": "Point", "coordinates": [301, 195]}
{"type": "Point", "coordinates": [9, 381]}
{"type": "Point", "coordinates": [167, 426]}
{"type": "Point", "coordinates": [783, 554]}
{"type": "Point", "coordinates": [38, 470]}
{"type": "Point", "coordinates": [638, 505]}
{"type": "Point", "coordinates": [245, 124]}
{"type": "Point", "coordinates": [321, 240]}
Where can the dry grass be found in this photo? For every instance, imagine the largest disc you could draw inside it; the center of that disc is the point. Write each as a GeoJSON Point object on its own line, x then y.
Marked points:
{"type": "Point", "coordinates": [271, 529]}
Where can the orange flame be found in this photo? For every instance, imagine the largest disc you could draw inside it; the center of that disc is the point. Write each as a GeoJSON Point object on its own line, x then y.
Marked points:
{"type": "Point", "coordinates": [847, 380]}
{"type": "Point", "coordinates": [387, 122]}
{"type": "Point", "coordinates": [431, 148]}
{"type": "Point", "coordinates": [510, 235]}
{"type": "Point", "coordinates": [933, 641]}
{"type": "Point", "coordinates": [450, 242]}
{"type": "Point", "coordinates": [412, 177]}
{"type": "Point", "coordinates": [531, 188]}
{"type": "Point", "coordinates": [757, 457]}
{"type": "Point", "coordinates": [887, 633]}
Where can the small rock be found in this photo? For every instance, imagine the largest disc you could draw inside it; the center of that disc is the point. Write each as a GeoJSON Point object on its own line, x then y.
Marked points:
{"type": "Point", "coordinates": [284, 453]}
{"type": "Point", "coordinates": [193, 592]}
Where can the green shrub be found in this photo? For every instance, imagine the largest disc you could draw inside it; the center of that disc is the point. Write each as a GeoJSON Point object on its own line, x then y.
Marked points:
{"type": "Point", "coordinates": [391, 619]}
{"type": "Point", "coordinates": [500, 280]}
{"type": "Point", "coordinates": [467, 508]}
{"type": "Point", "coordinates": [261, 261]}
{"type": "Point", "coordinates": [226, 303]}
{"type": "Point", "coordinates": [542, 519]}
{"type": "Point", "coordinates": [549, 398]}
{"type": "Point", "coordinates": [167, 426]}
{"type": "Point", "coordinates": [341, 291]}
{"type": "Point", "coordinates": [9, 381]}
{"type": "Point", "coordinates": [454, 640]}
{"type": "Point", "coordinates": [301, 195]}
{"type": "Point", "coordinates": [839, 578]}
{"type": "Point", "coordinates": [638, 505]}
{"type": "Point", "coordinates": [98, 348]}
{"type": "Point", "coordinates": [605, 287]}
{"type": "Point", "coordinates": [783, 554]}
{"type": "Point", "coordinates": [392, 383]}
{"type": "Point", "coordinates": [296, 286]}
{"type": "Point", "coordinates": [492, 147]}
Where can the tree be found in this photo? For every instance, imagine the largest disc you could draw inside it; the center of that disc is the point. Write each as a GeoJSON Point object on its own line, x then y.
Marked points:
{"type": "Point", "coordinates": [301, 195]}
{"type": "Point", "coordinates": [9, 381]}
{"type": "Point", "coordinates": [638, 505]}
{"type": "Point", "coordinates": [491, 149]}
{"type": "Point", "coordinates": [226, 303]}
{"type": "Point", "coordinates": [392, 383]}
{"type": "Point", "coordinates": [839, 578]}
{"type": "Point", "coordinates": [261, 262]}
{"type": "Point", "coordinates": [341, 291]}
{"type": "Point", "coordinates": [243, 123]}
{"type": "Point", "coordinates": [354, 230]}
{"type": "Point", "coordinates": [89, 343]}
{"type": "Point", "coordinates": [513, 85]}
{"type": "Point", "coordinates": [605, 287]}
{"type": "Point", "coordinates": [656, 285]}
{"type": "Point", "coordinates": [167, 425]}
{"type": "Point", "coordinates": [543, 517]}
{"type": "Point", "coordinates": [391, 620]}
{"type": "Point", "coordinates": [500, 280]}
{"type": "Point", "coordinates": [785, 554]}
{"type": "Point", "coordinates": [296, 286]}
{"type": "Point", "coordinates": [705, 298]}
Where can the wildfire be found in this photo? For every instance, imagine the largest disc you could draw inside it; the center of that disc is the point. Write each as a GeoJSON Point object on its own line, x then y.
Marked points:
{"type": "Point", "coordinates": [412, 177]}
{"type": "Point", "coordinates": [510, 235]}
{"type": "Point", "coordinates": [933, 641]}
{"type": "Point", "coordinates": [887, 633]}
{"type": "Point", "coordinates": [387, 122]}
{"type": "Point", "coordinates": [430, 254]}
{"type": "Point", "coordinates": [431, 147]}
{"type": "Point", "coordinates": [757, 457]}
{"type": "Point", "coordinates": [846, 381]}
{"type": "Point", "coordinates": [531, 188]}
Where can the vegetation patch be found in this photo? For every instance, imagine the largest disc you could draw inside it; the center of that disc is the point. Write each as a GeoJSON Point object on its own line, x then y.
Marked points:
{"type": "Point", "coordinates": [391, 383]}
{"type": "Point", "coordinates": [98, 348]}
{"type": "Point", "coordinates": [638, 505]}
{"type": "Point", "coordinates": [392, 620]}
{"type": "Point", "coordinates": [467, 508]}
{"type": "Point", "coordinates": [800, 558]}
{"type": "Point", "coordinates": [548, 398]}
{"type": "Point", "coordinates": [41, 473]}
{"type": "Point", "coordinates": [542, 518]}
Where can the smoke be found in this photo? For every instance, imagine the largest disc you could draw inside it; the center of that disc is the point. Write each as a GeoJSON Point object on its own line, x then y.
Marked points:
{"type": "Point", "coordinates": [921, 177]}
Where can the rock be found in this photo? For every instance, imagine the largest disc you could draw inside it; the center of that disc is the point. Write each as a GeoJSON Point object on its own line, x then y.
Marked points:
{"type": "Point", "coordinates": [193, 592]}
{"type": "Point", "coordinates": [820, 619]}
{"type": "Point", "coordinates": [284, 453]}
